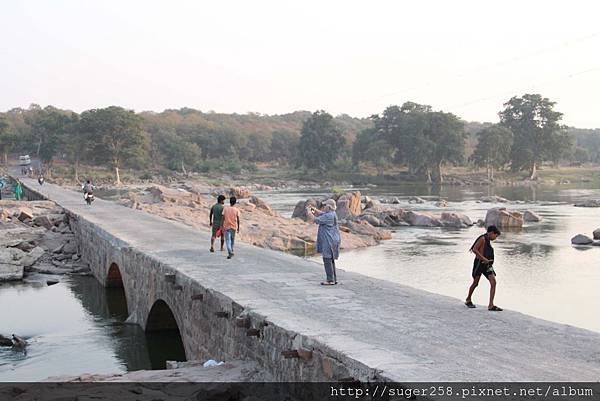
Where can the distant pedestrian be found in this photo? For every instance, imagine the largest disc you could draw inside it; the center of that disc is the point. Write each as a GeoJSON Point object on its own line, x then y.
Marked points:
{"type": "Point", "coordinates": [215, 220]}
{"type": "Point", "coordinates": [483, 265]}
{"type": "Point", "coordinates": [41, 180]}
{"type": "Point", "coordinates": [18, 190]}
{"type": "Point", "coordinates": [328, 238]}
{"type": "Point", "coordinates": [231, 225]}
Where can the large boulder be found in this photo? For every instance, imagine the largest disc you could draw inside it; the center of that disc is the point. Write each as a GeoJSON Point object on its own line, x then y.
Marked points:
{"type": "Point", "coordinates": [422, 219]}
{"type": "Point", "coordinates": [597, 233]}
{"type": "Point", "coordinates": [373, 205]}
{"type": "Point", "coordinates": [262, 205]}
{"type": "Point", "coordinates": [531, 217]}
{"type": "Point", "coordinates": [364, 228]}
{"type": "Point", "coordinates": [500, 217]}
{"type": "Point", "coordinates": [349, 205]}
{"type": "Point", "coordinates": [300, 209]}
{"type": "Point", "coordinates": [456, 220]}
{"type": "Point", "coordinates": [240, 192]}
{"type": "Point", "coordinates": [581, 239]}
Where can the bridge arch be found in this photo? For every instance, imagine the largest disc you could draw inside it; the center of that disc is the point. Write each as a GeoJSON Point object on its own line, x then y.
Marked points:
{"type": "Point", "coordinates": [115, 291]}
{"type": "Point", "coordinates": [163, 335]}
{"type": "Point", "coordinates": [114, 279]}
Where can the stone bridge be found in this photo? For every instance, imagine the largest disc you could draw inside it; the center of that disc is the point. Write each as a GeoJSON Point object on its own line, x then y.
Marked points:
{"type": "Point", "coordinates": [269, 307]}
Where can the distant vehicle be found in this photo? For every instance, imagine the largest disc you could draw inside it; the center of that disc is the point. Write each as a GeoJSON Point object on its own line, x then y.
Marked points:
{"type": "Point", "coordinates": [24, 160]}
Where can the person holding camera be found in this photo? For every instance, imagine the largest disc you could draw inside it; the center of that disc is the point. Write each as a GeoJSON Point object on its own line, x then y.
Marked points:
{"type": "Point", "coordinates": [328, 238]}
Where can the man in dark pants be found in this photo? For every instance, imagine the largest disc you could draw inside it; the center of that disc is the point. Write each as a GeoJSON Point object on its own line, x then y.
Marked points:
{"type": "Point", "coordinates": [215, 218]}
{"type": "Point", "coordinates": [483, 264]}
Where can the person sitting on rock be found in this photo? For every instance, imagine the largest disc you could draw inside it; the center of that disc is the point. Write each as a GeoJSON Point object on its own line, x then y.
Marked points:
{"type": "Point", "coordinates": [328, 238]}
{"type": "Point", "coordinates": [215, 219]}
{"type": "Point", "coordinates": [483, 264]}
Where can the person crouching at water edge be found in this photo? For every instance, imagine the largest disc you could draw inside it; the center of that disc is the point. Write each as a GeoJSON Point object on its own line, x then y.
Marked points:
{"type": "Point", "coordinates": [231, 224]}
{"type": "Point", "coordinates": [328, 238]}
{"type": "Point", "coordinates": [483, 264]}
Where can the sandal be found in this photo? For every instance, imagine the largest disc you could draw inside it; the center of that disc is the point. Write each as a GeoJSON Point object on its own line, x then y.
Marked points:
{"type": "Point", "coordinates": [328, 283]}
{"type": "Point", "coordinates": [495, 309]}
{"type": "Point", "coordinates": [470, 304]}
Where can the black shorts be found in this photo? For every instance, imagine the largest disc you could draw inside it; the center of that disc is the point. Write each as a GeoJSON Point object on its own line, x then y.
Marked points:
{"type": "Point", "coordinates": [480, 268]}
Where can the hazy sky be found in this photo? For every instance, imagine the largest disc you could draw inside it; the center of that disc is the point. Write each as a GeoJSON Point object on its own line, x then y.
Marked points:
{"type": "Point", "coordinates": [466, 57]}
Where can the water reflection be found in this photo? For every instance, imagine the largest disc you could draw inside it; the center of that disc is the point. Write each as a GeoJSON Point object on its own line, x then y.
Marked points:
{"type": "Point", "coordinates": [75, 327]}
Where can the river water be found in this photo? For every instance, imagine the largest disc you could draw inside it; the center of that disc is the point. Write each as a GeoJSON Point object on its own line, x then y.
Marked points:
{"type": "Point", "coordinates": [539, 273]}
{"type": "Point", "coordinates": [77, 326]}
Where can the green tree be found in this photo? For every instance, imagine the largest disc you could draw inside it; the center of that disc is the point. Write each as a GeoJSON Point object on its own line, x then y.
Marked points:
{"type": "Point", "coordinates": [380, 154]}
{"type": "Point", "coordinates": [321, 142]}
{"type": "Point", "coordinates": [493, 148]}
{"type": "Point", "coordinates": [77, 141]}
{"type": "Point", "coordinates": [284, 147]}
{"type": "Point", "coordinates": [422, 138]}
{"type": "Point", "coordinates": [538, 135]}
{"type": "Point", "coordinates": [118, 134]}
{"type": "Point", "coordinates": [178, 152]}
{"type": "Point", "coordinates": [7, 139]}
{"type": "Point", "coordinates": [581, 155]}
{"type": "Point", "coordinates": [49, 128]}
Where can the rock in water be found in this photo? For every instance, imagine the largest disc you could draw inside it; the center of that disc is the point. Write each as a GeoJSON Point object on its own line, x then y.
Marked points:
{"type": "Point", "coordinates": [19, 342]}
{"type": "Point", "coordinates": [500, 217]}
{"type": "Point", "coordinates": [442, 203]}
{"type": "Point", "coordinates": [422, 219]}
{"type": "Point", "coordinates": [530, 216]}
{"type": "Point", "coordinates": [589, 203]}
{"type": "Point", "coordinates": [493, 199]}
{"type": "Point", "coordinates": [5, 341]}
{"type": "Point", "coordinates": [581, 239]}
{"type": "Point", "coordinates": [456, 220]}
{"type": "Point", "coordinates": [416, 199]}
{"type": "Point", "coordinates": [597, 233]}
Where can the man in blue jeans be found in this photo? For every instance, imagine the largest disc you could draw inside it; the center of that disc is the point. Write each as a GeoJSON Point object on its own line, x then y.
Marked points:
{"type": "Point", "coordinates": [231, 225]}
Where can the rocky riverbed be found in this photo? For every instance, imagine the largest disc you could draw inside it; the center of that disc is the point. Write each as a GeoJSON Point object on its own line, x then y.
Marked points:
{"type": "Point", "coordinates": [260, 225]}
{"type": "Point", "coordinates": [36, 241]}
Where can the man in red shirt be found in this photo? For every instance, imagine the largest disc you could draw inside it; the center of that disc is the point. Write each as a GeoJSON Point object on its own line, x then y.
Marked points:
{"type": "Point", "coordinates": [231, 225]}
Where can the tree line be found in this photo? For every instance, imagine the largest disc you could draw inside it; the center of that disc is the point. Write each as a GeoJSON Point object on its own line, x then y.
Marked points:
{"type": "Point", "coordinates": [528, 133]}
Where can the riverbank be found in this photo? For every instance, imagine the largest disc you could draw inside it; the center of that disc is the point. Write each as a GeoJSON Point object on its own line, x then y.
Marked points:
{"type": "Point", "coordinates": [284, 177]}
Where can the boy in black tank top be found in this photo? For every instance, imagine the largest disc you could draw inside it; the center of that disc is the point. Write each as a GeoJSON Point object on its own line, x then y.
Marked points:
{"type": "Point", "coordinates": [483, 264]}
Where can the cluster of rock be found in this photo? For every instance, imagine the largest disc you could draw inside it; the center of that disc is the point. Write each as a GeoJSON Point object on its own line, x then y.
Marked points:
{"type": "Point", "coordinates": [35, 237]}
{"type": "Point", "coordinates": [581, 239]}
{"type": "Point", "coordinates": [260, 224]}
{"type": "Point", "coordinates": [375, 215]}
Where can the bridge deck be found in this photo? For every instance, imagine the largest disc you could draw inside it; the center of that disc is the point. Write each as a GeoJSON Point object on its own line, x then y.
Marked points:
{"type": "Point", "coordinates": [407, 334]}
